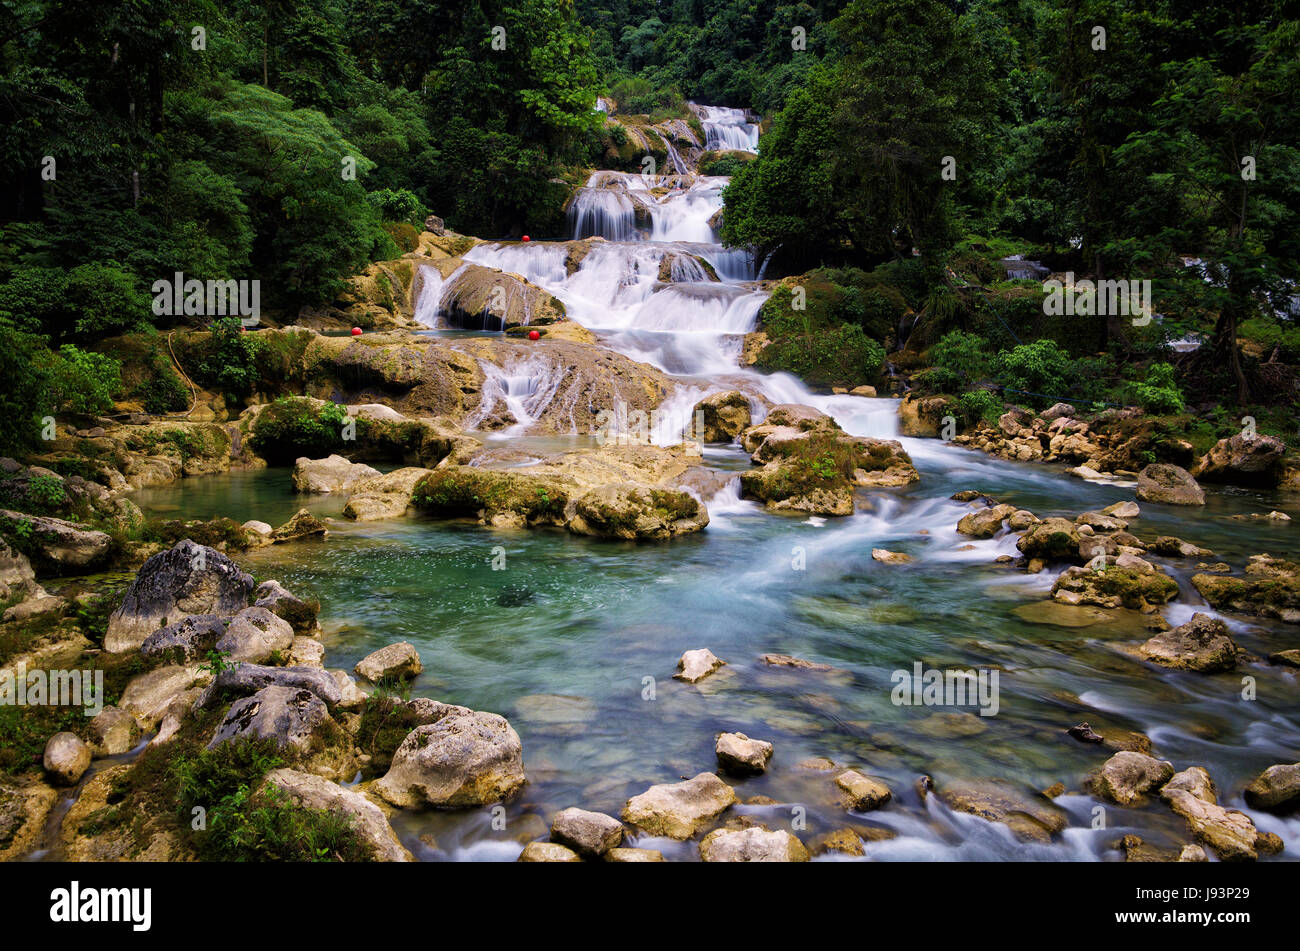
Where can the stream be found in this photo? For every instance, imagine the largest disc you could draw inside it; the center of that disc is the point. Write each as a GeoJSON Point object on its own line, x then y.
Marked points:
{"type": "Point", "coordinates": [576, 640]}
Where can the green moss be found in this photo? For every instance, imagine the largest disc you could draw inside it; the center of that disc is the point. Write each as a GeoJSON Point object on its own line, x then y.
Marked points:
{"type": "Point", "coordinates": [463, 492]}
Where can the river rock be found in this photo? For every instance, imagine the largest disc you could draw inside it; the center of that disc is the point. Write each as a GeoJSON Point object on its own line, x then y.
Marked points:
{"type": "Point", "coordinates": [1277, 789]}
{"type": "Point", "coordinates": [255, 635]}
{"type": "Point", "coordinates": [243, 679]}
{"type": "Point", "coordinates": [634, 511]}
{"type": "Point", "coordinates": [798, 416]}
{"type": "Point", "coordinates": [368, 820]}
{"type": "Point", "coordinates": [590, 834]}
{"type": "Point", "coordinates": [185, 579]}
{"type": "Point", "coordinates": [302, 525]}
{"type": "Point", "coordinates": [1122, 510]}
{"type": "Point", "coordinates": [400, 661]}
{"type": "Point", "coordinates": [257, 527]}
{"type": "Point", "coordinates": [738, 755]}
{"type": "Point", "coordinates": [1172, 547]}
{"type": "Point", "coordinates": [300, 614]}
{"type": "Point", "coordinates": [331, 474]}
{"type": "Point", "coordinates": [1256, 461]}
{"type": "Point", "coordinates": [466, 758]}
{"type": "Point", "coordinates": [885, 556]}
{"type": "Point", "coordinates": [679, 810]}
{"type": "Point", "coordinates": [752, 845]}
{"type": "Point", "coordinates": [547, 852]}
{"type": "Point", "coordinates": [1230, 833]}
{"type": "Point", "coordinates": [695, 665]}
{"type": "Point", "coordinates": [1202, 644]}
{"type": "Point", "coordinates": [1030, 817]}
{"type": "Point", "coordinates": [289, 715]}
{"type": "Point", "coordinates": [1271, 588]}
{"type": "Point", "coordinates": [66, 758]}
{"type": "Point", "coordinates": [1195, 780]}
{"type": "Point", "coordinates": [17, 579]}
{"type": "Point", "coordinates": [985, 523]}
{"type": "Point", "coordinates": [1126, 778]}
{"type": "Point", "coordinates": [305, 652]}
{"type": "Point", "coordinates": [1168, 484]}
{"type": "Point", "coordinates": [1134, 585]}
{"type": "Point", "coordinates": [861, 793]}
{"type": "Point", "coordinates": [189, 639]}
{"type": "Point", "coordinates": [634, 855]}
{"type": "Point", "coordinates": [114, 731]}
{"type": "Point", "coordinates": [725, 416]}
{"type": "Point", "coordinates": [1052, 539]}
{"type": "Point", "coordinates": [383, 496]}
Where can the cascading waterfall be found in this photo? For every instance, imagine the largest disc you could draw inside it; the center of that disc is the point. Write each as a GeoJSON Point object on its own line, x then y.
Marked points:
{"type": "Point", "coordinates": [728, 129]}
{"type": "Point", "coordinates": [429, 307]}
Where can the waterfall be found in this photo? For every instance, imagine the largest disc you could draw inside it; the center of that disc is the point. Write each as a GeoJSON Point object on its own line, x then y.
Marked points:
{"type": "Point", "coordinates": [727, 129]}
{"type": "Point", "coordinates": [429, 308]}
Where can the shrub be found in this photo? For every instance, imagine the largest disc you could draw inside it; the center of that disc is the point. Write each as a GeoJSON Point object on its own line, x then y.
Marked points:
{"type": "Point", "coordinates": [163, 391]}
{"type": "Point", "coordinates": [82, 381]}
{"type": "Point", "coordinates": [24, 396]}
{"type": "Point", "coordinates": [230, 361]}
{"type": "Point", "coordinates": [292, 427]}
{"type": "Point", "coordinates": [1040, 371]}
{"type": "Point", "coordinates": [398, 205]}
{"type": "Point", "coordinates": [1158, 392]}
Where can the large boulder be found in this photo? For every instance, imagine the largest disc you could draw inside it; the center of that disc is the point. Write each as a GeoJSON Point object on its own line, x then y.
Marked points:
{"type": "Point", "coordinates": [738, 755]}
{"type": "Point", "coordinates": [1271, 588]}
{"type": "Point", "coordinates": [1029, 816]}
{"type": "Point", "coordinates": [148, 696]}
{"type": "Point", "coordinates": [1230, 833]}
{"type": "Point", "coordinates": [1052, 539]}
{"type": "Point", "coordinates": [59, 546]}
{"type": "Point", "coordinates": [66, 758]}
{"type": "Point", "coordinates": [465, 758]}
{"type": "Point", "coordinates": [295, 718]}
{"type": "Point", "coordinates": [725, 416]}
{"type": "Point", "coordinates": [754, 844]}
{"type": "Point", "coordinates": [185, 579]}
{"type": "Point", "coordinates": [1127, 777]}
{"type": "Point", "coordinates": [331, 474]}
{"type": "Point", "coordinates": [383, 496]}
{"type": "Point", "coordinates": [679, 810]}
{"type": "Point", "coordinates": [923, 417]}
{"type": "Point", "coordinates": [367, 819]}
{"type": "Point", "coordinates": [1277, 789]}
{"type": "Point", "coordinates": [302, 525]}
{"type": "Point", "coordinates": [1168, 484]}
{"type": "Point", "coordinates": [1202, 644]}
{"type": "Point", "coordinates": [1131, 584]}
{"type": "Point", "coordinates": [1243, 460]}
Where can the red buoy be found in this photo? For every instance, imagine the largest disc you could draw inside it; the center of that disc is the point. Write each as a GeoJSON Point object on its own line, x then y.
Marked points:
{"type": "Point", "coordinates": [534, 335]}
{"type": "Point", "coordinates": [356, 331]}
{"type": "Point", "coordinates": [526, 238]}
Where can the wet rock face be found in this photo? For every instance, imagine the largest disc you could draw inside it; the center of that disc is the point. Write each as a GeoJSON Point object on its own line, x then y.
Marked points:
{"type": "Point", "coordinates": [725, 416]}
{"type": "Point", "coordinates": [679, 810]}
{"type": "Point", "coordinates": [466, 758]}
{"type": "Point", "coordinates": [1169, 485]}
{"type": "Point", "coordinates": [186, 579]}
{"type": "Point", "coordinates": [1202, 644]}
{"type": "Point", "coordinates": [1251, 461]}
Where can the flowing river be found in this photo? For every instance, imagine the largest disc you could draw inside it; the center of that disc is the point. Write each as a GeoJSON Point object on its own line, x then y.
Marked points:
{"type": "Point", "coordinates": [576, 640]}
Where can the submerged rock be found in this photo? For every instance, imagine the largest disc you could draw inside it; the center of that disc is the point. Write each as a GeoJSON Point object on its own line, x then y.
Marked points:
{"type": "Point", "coordinates": [465, 758]}
{"type": "Point", "coordinates": [186, 579]}
{"type": "Point", "coordinates": [1030, 817]}
{"type": "Point", "coordinates": [679, 810]}
{"type": "Point", "coordinates": [302, 525]}
{"type": "Point", "coordinates": [862, 793]}
{"type": "Point", "coordinates": [1202, 644]}
{"type": "Point", "coordinates": [384, 496]}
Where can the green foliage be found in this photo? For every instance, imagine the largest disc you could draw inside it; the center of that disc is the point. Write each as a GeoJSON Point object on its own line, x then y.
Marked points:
{"type": "Point", "coordinates": [24, 397]}
{"type": "Point", "coordinates": [398, 204]}
{"type": "Point", "coordinates": [87, 301]}
{"type": "Point", "coordinates": [230, 363]}
{"type": "Point", "coordinates": [162, 391]}
{"type": "Point", "coordinates": [1157, 391]}
{"type": "Point", "coordinates": [1039, 371]}
{"type": "Point", "coordinates": [81, 381]}
{"type": "Point", "coordinates": [292, 427]}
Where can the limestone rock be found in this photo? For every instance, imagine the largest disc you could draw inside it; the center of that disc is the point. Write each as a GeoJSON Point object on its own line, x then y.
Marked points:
{"type": "Point", "coordinates": [331, 474]}
{"type": "Point", "coordinates": [288, 715]}
{"type": "Point", "coordinates": [1277, 789]}
{"type": "Point", "coordinates": [66, 758]}
{"type": "Point", "coordinates": [860, 792]}
{"type": "Point", "coordinates": [547, 852]}
{"type": "Point", "coordinates": [300, 613]}
{"type": "Point", "coordinates": [302, 525]}
{"type": "Point", "coordinates": [697, 664]}
{"type": "Point", "coordinates": [1202, 644]}
{"type": "Point", "coordinates": [726, 416]}
{"type": "Point", "coordinates": [1127, 777]}
{"type": "Point", "coordinates": [590, 834]}
{"type": "Point", "coordinates": [467, 758]}
{"type": "Point", "coordinates": [185, 579]}
{"type": "Point", "coordinates": [1168, 484]}
{"type": "Point", "coordinates": [752, 845]}
{"type": "Point", "coordinates": [384, 496]}
{"type": "Point", "coordinates": [400, 661]}
{"type": "Point", "coordinates": [679, 810]}
{"type": "Point", "coordinates": [254, 635]}
{"type": "Point", "coordinates": [741, 756]}
{"type": "Point", "coordinates": [186, 641]}
{"type": "Point", "coordinates": [114, 731]}
{"type": "Point", "coordinates": [368, 820]}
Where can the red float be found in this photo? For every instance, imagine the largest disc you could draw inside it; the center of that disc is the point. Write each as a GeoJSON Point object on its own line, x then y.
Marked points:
{"type": "Point", "coordinates": [526, 238]}
{"type": "Point", "coordinates": [534, 335]}
{"type": "Point", "coordinates": [356, 331]}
